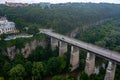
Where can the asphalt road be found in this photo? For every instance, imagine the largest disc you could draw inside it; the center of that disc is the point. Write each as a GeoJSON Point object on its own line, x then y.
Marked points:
{"type": "Point", "coordinates": [112, 55]}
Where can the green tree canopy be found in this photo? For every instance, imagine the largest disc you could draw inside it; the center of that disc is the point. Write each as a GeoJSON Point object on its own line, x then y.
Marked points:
{"type": "Point", "coordinates": [17, 73]}
{"type": "Point", "coordinates": [38, 70]}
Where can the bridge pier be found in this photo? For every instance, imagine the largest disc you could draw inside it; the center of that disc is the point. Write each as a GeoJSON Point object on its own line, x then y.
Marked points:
{"type": "Point", "coordinates": [54, 43]}
{"type": "Point", "coordinates": [74, 58]}
{"type": "Point", "coordinates": [110, 72]}
{"type": "Point", "coordinates": [62, 48]}
{"type": "Point", "coordinates": [90, 63]}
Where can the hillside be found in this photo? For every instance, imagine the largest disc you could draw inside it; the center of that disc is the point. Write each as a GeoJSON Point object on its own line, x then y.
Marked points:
{"type": "Point", "coordinates": [33, 59]}
{"type": "Point", "coordinates": [61, 17]}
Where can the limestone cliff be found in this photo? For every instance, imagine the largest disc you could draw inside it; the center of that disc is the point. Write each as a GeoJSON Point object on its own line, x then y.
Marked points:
{"type": "Point", "coordinates": [29, 47]}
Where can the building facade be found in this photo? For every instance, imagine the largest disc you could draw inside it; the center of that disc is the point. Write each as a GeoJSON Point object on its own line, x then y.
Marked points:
{"type": "Point", "coordinates": [7, 27]}
{"type": "Point", "coordinates": [3, 20]}
{"type": "Point", "coordinates": [10, 4]}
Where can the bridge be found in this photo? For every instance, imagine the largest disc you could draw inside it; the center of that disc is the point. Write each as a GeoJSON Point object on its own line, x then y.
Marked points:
{"type": "Point", "coordinates": [112, 56]}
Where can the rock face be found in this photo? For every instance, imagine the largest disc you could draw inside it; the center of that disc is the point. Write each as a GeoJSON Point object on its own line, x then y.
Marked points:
{"type": "Point", "coordinates": [29, 47]}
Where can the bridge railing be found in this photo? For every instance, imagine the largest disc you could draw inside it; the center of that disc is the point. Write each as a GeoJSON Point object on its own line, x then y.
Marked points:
{"type": "Point", "coordinates": [90, 47]}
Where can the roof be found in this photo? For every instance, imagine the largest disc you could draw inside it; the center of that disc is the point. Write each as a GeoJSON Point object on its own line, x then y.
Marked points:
{"type": "Point", "coordinates": [8, 25]}
{"type": "Point", "coordinates": [2, 18]}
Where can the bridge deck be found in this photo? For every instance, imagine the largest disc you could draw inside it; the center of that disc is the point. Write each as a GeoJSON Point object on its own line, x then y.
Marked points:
{"type": "Point", "coordinates": [112, 55]}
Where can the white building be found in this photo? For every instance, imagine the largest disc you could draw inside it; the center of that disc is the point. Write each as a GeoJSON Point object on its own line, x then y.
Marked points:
{"type": "Point", "coordinates": [7, 27]}
{"type": "Point", "coordinates": [3, 20]}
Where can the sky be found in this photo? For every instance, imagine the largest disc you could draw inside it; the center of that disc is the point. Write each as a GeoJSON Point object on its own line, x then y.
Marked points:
{"type": "Point", "coordinates": [61, 1]}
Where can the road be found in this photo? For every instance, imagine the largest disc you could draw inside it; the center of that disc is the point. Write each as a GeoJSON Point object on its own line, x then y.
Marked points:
{"type": "Point", "coordinates": [112, 55]}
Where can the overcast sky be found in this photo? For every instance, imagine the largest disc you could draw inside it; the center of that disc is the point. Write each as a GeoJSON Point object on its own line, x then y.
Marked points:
{"type": "Point", "coordinates": [61, 1]}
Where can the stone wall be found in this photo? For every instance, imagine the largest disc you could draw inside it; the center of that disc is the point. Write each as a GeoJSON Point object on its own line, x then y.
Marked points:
{"type": "Point", "coordinates": [29, 47]}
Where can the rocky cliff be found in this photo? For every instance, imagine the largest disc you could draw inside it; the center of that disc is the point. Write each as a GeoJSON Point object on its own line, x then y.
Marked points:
{"type": "Point", "coordinates": [29, 47]}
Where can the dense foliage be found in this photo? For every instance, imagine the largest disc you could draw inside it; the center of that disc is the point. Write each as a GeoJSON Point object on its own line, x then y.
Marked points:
{"type": "Point", "coordinates": [19, 42]}
{"type": "Point", "coordinates": [106, 35]}
{"type": "Point", "coordinates": [20, 68]}
{"type": "Point", "coordinates": [61, 17]}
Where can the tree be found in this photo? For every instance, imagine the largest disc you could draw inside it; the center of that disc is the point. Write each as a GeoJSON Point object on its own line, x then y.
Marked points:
{"type": "Point", "coordinates": [56, 65]}
{"type": "Point", "coordinates": [19, 59]}
{"type": "Point", "coordinates": [53, 65]}
{"type": "Point", "coordinates": [1, 78]}
{"type": "Point", "coordinates": [3, 36]}
{"type": "Point", "coordinates": [59, 78]}
{"type": "Point", "coordinates": [33, 30]}
{"type": "Point", "coordinates": [38, 70]}
{"type": "Point", "coordinates": [28, 67]}
{"type": "Point", "coordinates": [19, 43]}
{"type": "Point", "coordinates": [20, 23]}
{"type": "Point", "coordinates": [6, 68]}
{"type": "Point", "coordinates": [83, 76]}
{"type": "Point", "coordinates": [117, 48]}
{"type": "Point", "coordinates": [3, 60]}
{"type": "Point", "coordinates": [17, 73]}
{"type": "Point", "coordinates": [38, 54]}
{"type": "Point", "coordinates": [62, 78]}
{"type": "Point", "coordinates": [3, 45]}
{"type": "Point", "coordinates": [62, 63]}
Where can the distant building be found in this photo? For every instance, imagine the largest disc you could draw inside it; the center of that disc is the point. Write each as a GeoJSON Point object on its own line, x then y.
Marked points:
{"type": "Point", "coordinates": [42, 5]}
{"type": "Point", "coordinates": [3, 20]}
{"type": "Point", "coordinates": [10, 4]}
{"type": "Point", "coordinates": [7, 27]}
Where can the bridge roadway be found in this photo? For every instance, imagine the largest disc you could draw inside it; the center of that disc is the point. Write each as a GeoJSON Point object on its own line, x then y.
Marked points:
{"type": "Point", "coordinates": [112, 55]}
